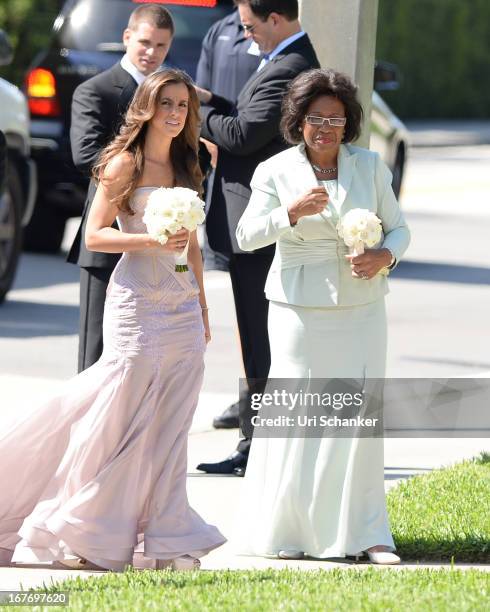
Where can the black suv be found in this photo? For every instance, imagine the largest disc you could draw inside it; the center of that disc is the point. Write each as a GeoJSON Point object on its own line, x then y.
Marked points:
{"type": "Point", "coordinates": [86, 40]}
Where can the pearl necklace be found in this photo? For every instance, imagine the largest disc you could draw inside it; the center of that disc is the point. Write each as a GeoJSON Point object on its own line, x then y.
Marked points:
{"type": "Point", "coordinates": [324, 170]}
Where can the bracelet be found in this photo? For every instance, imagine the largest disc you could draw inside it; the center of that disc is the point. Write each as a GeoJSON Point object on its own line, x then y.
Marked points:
{"type": "Point", "coordinates": [204, 308]}
{"type": "Point", "coordinates": [393, 259]}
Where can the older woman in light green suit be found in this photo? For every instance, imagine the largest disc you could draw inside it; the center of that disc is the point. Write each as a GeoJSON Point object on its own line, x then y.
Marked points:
{"type": "Point", "coordinates": [323, 497]}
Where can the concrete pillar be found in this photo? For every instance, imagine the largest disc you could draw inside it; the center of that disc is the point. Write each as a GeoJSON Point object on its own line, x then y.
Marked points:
{"type": "Point", "coordinates": [343, 33]}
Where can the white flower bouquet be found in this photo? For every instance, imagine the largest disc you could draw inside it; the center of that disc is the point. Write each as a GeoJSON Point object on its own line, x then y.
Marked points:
{"type": "Point", "coordinates": [360, 228]}
{"type": "Point", "coordinates": [169, 210]}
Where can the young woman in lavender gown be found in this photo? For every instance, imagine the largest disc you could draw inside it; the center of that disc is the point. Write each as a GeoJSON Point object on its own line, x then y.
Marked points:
{"type": "Point", "coordinates": [96, 477]}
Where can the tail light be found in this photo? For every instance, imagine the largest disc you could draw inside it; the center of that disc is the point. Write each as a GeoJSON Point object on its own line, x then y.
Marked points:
{"type": "Point", "coordinates": [41, 93]}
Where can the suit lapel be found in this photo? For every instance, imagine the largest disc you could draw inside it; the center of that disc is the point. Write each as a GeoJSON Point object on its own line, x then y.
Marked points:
{"type": "Point", "coordinates": [125, 85]}
{"type": "Point", "coordinates": [249, 85]}
{"type": "Point", "coordinates": [303, 172]}
{"type": "Point", "coordinates": [127, 94]}
{"type": "Point", "coordinates": [346, 164]}
{"type": "Point", "coordinates": [305, 178]}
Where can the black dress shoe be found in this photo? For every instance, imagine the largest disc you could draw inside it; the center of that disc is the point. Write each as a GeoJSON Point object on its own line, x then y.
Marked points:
{"type": "Point", "coordinates": [235, 460]}
{"type": "Point", "coordinates": [229, 418]}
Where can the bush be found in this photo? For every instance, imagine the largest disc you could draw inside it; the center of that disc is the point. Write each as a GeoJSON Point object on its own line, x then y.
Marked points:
{"type": "Point", "coordinates": [442, 48]}
{"type": "Point", "coordinates": [28, 24]}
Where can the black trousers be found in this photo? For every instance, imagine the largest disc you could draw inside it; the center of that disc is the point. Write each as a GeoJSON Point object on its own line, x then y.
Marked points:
{"type": "Point", "coordinates": [248, 275]}
{"type": "Point", "coordinates": [93, 288]}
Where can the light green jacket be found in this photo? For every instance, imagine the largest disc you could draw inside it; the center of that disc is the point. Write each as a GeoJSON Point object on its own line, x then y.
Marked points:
{"type": "Point", "coordinates": [309, 267]}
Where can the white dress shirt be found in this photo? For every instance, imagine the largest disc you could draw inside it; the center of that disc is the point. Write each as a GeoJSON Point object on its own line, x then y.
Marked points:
{"type": "Point", "coordinates": [128, 66]}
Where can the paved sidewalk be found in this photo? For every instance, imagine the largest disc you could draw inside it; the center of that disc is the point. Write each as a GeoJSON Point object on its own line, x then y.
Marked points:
{"type": "Point", "coordinates": [439, 133]}
{"type": "Point", "coordinates": [12, 579]}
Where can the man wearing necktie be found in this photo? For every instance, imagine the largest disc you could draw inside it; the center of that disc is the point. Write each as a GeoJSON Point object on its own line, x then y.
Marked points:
{"type": "Point", "coordinates": [228, 59]}
{"type": "Point", "coordinates": [246, 134]}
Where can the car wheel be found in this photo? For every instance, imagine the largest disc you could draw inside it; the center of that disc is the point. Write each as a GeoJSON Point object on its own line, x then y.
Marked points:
{"type": "Point", "coordinates": [45, 231]}
{"type": "Point", "coordinates": [398, 169]}
{"type": "Point", "coordinates": [10, 229]}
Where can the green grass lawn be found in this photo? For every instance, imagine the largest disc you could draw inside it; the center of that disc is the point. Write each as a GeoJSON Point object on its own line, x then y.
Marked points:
{"type": "Point", "coordinates": [382, 589]}
{"type": "Point", "coordinates": [444, 514]}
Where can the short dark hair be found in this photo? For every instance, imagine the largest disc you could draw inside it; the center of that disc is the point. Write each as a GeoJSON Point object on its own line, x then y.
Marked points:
{"type": "Point", "coordinates": [263, 8]}
{"type": "Point", "coordinates": [308, 86]}
{"type": "Point", "coordinates": [155, 14]}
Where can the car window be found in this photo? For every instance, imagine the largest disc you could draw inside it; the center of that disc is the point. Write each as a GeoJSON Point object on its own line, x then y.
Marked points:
{"type": "Point", "coordinates": [95, 25]}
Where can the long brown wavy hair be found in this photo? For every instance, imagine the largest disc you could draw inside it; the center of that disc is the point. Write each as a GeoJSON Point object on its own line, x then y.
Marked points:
{"type": "Point", "coordinates": [184, 148]}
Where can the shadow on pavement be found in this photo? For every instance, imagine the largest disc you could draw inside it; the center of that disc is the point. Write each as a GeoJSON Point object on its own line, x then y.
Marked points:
{"type": "Point", "coordinates": [443, 273]}
{"type": "Point", "coordinates": [31, 319]}
{"type": "Point", "coordinates": [400, 475]}
{"type": "Point", "coordinates": [485, 365]}
{"type": "Point", "coordinates": [37, 270]}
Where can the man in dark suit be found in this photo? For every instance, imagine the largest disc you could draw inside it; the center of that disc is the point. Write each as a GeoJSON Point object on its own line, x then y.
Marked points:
{"type": "Point", "coordinates": [98, 109]}
{"type": "Point", "coordinates": [228, 59]}
{"type": "Point", "coordinates": [247, 135]}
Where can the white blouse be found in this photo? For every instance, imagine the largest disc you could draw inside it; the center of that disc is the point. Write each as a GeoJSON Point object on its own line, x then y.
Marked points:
{"type": "Point", "coordinates": [332, 187]}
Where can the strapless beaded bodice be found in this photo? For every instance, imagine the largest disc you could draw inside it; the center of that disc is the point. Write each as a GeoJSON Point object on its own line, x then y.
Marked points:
{"type": "Point", "coordinates": [133, 224]}
{"type": "Point", "coordinates": [148, 302]}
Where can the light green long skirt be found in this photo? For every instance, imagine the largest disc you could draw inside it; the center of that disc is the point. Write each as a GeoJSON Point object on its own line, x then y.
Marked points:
{"type": "Point", "coordinates": [322, 496]}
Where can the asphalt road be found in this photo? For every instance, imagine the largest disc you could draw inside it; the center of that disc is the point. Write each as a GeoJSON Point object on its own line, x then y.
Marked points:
{"type": "Point", "coordinates": [438, 306]}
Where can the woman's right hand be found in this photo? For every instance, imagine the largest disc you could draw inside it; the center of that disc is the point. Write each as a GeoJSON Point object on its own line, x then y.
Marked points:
{"type": "Point", "coordinates": [312, 202]}
{"type": "Point", "coordinates": [175, 243]}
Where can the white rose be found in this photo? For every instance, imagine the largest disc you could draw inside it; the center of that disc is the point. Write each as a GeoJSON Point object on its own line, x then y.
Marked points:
{"type": "Point", "coordinates": [173, 228]}
{"type": "Point", "coordinates": [162, 238]}
{"type": "Point", "coordinates": [181, 206]}
{"type": "Point", "coordinates": [194, 218]}
{"type": "Point", "coordinates": [373, 238]}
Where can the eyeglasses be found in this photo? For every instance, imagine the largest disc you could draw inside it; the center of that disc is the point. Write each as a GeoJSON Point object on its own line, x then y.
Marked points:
{"type": "Point", "coordinates": [321, 121]}
{"type": "Point", "coordinates": [249, 28]}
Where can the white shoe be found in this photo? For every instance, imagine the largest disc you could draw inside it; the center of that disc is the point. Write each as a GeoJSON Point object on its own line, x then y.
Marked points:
{"type": "Point", "coordinates": [383, 557]}
{"type": "Point", "coordinates": [291, 554]}
{"type": "Point", "coordinates": [186, 563]}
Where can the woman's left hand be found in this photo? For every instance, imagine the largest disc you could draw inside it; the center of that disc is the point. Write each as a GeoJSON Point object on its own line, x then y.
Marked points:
{"type": "Point", "coordinates": [367, 265]}
{"type": "Point", "coordinates": [207, 329]}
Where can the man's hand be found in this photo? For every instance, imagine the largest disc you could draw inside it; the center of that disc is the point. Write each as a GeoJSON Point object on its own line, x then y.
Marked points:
{"type": "Point", "coordinates": [212, 150]}
{"type": "Point", "coordinates": [203, 94]}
